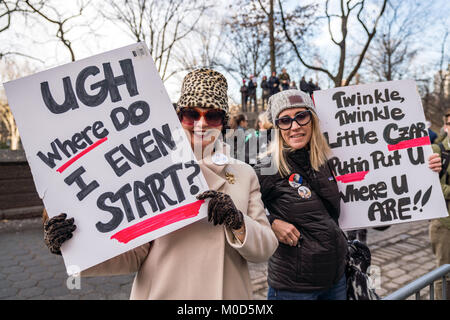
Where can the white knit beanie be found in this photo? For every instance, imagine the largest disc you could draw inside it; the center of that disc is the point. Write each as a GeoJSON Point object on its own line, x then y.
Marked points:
{"type": "Point", "coordinates": [288, 99]}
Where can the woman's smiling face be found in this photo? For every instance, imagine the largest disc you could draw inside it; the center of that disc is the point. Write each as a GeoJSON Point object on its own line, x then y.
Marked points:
{"type": "Point", "coordinates": [297, 137]}
{"type": "Point", "coordinates": [200, 133]}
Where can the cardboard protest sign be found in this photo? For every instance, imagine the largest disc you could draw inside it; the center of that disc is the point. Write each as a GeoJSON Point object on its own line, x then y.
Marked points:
{"type": "Point", "coordinates": [380, 145]}
{"type": "Point", "coordinates": [106, 147]}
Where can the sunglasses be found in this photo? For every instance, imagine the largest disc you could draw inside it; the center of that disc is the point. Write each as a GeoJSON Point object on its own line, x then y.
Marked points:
{"type": "Point", "coordinates": [213, 117]}
{"type": "Point", "coordinates": [302, 119]}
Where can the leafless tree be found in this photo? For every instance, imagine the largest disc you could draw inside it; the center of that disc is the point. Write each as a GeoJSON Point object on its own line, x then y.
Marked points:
{"type": "Point", "coordinates": [256, 37]}
{"type": "Point", "coordinates": [435, 92]}
{"type": "Point", "coordinates": [7, 119]}
{"type": "Point", "coordinates": [443, 75]}
{"type": "Point", "coordinates": [7, 10]}
{"type": "Point", "coordinates": [266, 14]}
{"type": "Point", "coordinates": [207, 53]}
{"type": "Point", "coordinates": [162, 25]}
{"type": "Point", "coordinates": [247, 49]}
{"type": "Point", "coordinates": [267, 6]}
{"type": "Point", "coordinates": [51, 14]}
{"type": "Point", "coordinates": [395, 46]}
{"type": "Point", "coordinates": [10, 70]}
{"type": "Point", "coordinates": [347, 9]}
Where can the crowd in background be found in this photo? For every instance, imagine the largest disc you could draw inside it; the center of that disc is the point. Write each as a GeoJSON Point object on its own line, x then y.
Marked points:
{"type": "Point", "coordinates": [250, 142]}
{"type": "Point", "coordinates": [269, 87]}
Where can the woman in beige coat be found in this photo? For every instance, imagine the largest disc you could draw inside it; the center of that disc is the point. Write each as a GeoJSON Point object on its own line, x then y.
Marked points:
{"type": "Point", "coordinates": [206, 259]}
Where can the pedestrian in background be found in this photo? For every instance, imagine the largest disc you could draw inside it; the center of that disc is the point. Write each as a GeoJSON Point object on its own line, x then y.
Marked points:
{"type": "Point", "coordinates": [274, 83]}
{"type": "Point", "coordinates": [252, 85]}
{"type": "Point", "coordinates": [285, 79]}
{"type": "Point", "coordinates": [433, 135]}
{"type": "Point", "coordinates": [244, 96]}
{"type": "Point", "coordinates": [258, 140]}
{"type": "Point", "coordinates": [206, 259]}
{"type": "Point", "coordinates": [241, 122]}
{"type": "Point", "coordinates": [238, 136]}
{"type": "Point", "coordinates": [311, 87]}
{"type": "Point", "coordinates": [265, 88]}
{"type": "Point", "coordinates": [316, 85]}
{"type": "Point", "coordinates": [304, 85]}
{"type": "Point", "coordinates": [439, 229]}
{"type": "Point", "coordinates": [293, 85]}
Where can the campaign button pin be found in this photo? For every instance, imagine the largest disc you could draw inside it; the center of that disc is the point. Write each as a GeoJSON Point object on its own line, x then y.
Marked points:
{"type": "Point", "coordinates": [219, 158]}
{"type": "Point", "coordinates": [295, 180]}
{"type": "Point", "coordinates": [304, 192]}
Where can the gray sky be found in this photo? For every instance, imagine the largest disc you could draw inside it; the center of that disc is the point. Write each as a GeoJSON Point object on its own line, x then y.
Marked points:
{"type": "Point", "coordinates": [37, 40]}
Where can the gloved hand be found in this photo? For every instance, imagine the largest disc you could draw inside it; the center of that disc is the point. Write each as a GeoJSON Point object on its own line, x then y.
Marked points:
{"type": "Point", "coordinates": [56, 231]}
{"type": "Point", "coordinates": [221, 209]}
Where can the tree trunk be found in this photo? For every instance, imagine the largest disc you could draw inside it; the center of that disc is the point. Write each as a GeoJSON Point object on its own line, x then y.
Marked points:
{"type": "Point", "coordinates": [272, 38]}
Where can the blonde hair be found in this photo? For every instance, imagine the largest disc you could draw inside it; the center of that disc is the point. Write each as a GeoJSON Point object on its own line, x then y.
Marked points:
{"type": "Point", "coordinates": [266, 124]}
{"type": "Point", "coordinates": [319, 149]}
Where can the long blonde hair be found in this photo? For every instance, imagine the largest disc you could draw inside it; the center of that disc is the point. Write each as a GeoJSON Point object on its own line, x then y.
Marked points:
{"type": "Point", "coordinates": [319, 149]}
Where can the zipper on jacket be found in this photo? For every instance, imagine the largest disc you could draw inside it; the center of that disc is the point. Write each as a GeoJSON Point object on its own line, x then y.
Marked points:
{"type": "Point", "coordinates": [298, 263]}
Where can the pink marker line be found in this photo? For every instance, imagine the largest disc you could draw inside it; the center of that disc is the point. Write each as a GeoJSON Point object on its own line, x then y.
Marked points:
{"type": "Point", "coordinates": [417, 142]}
{"type": "Point", "coordinates": [352, 177]}
{"type": "Point", "coordinates": [82, 153]}
{"type": "Point", "coordinates": [161, 220]}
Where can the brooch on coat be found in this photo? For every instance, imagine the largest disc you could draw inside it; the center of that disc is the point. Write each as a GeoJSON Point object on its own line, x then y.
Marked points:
{"type": "Point", "coordinates": [230, 177]}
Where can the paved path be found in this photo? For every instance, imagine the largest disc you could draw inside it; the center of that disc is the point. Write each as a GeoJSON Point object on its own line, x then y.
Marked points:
{"type": "Point", "coordinates": [401, 253]}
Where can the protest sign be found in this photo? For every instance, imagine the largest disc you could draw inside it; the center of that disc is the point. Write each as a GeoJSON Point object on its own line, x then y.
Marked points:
{"type": "Point", "coordinates": [106, 147]}
{"type": "Point", "coordinates": [380, 145]}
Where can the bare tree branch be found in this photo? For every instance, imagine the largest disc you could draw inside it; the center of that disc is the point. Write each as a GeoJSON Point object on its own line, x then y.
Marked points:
{"type": "Point", "coordinates": [329, 23]}
{"type": "Point", "coordinates": [294, 46]}
{"type": "Point", "coordinates": [163, 25]}
{"type": "Point", "coordinates": [4, 54]}
{"type": "Point", "coordinates": [62, 31]}
{"type": "Point", "coordinates": [345, 11]}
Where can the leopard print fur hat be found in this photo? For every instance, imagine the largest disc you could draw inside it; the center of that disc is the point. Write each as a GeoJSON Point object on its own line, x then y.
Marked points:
{"type": "Point", "coordinates": [204, 88]}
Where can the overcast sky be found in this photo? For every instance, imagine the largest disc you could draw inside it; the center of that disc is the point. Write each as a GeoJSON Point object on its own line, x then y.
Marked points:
{"type": "Point", "coordinates": [37, 40]}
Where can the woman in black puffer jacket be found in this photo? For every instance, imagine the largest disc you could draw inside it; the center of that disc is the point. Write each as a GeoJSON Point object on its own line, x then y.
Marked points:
{"type": "Point", "coordinates": [301, 194]}
{"type": "Point", "coordinates": [299, 191]}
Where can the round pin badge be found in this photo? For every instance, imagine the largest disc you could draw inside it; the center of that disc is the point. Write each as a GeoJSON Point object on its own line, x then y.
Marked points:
{"type": "Point", "coordinates": [295, 180]}
{"type": "Point", "coordinates": [304, 192]}
{"type": "Point", "coordinates": [219, 158]}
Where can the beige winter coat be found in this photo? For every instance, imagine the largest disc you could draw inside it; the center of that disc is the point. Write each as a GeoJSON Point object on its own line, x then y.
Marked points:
{"type": "Point", "coordinates": [202, 261]}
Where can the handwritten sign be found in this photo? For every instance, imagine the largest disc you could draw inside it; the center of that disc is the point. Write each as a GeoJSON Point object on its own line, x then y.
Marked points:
{"type": "Point", "coordinates": [106, 147]}
{"type": "Point", "coordinates": [380, 145]}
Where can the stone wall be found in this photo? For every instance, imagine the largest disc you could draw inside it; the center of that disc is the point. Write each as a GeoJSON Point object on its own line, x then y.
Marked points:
{"type": "Point", "coordinates": [18, 196]}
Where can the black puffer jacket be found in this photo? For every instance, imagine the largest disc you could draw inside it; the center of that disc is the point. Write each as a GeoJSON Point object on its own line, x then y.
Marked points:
{"type": "Point", "coordinates": [318, 261]}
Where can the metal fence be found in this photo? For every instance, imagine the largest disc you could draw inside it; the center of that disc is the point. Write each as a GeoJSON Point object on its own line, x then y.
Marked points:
{"type": "Point", "coordinates": [424, 281]}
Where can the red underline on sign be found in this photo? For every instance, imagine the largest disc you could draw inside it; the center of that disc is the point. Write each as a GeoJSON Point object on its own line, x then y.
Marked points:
{"type": "Point", "coordinates": [161, 220]}
{"type": "Point", "coordinates": [417, 142]}
{"type": "Point", "coordinates": [352, 177]}
{"type": "Point", "coordinates": [82, 153]}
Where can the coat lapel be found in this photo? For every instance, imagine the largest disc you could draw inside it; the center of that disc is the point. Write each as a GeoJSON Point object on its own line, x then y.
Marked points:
{"type": "Point", "coordinates": [214, 174]}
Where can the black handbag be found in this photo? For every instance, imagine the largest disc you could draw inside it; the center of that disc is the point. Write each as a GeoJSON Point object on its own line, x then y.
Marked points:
{"type": "Point", "coordinates": [358, 281]}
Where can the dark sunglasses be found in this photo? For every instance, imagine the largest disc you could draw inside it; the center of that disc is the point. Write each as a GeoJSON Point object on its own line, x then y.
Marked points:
{"type": "Point", "coordinates": [213, 117]}
{"type": "Point", "coordinates": [302, 119]}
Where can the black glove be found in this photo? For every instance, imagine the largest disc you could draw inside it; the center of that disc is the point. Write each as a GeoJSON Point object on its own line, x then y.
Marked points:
{"type": "Point", "coordinates": [221, 209]}
{"type": "Point", "coordinates": [57, 230]}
